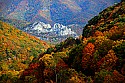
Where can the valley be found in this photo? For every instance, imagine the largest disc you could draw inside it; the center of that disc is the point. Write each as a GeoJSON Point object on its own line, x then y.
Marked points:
{"type": "Point", "coordinates": [41, 52]}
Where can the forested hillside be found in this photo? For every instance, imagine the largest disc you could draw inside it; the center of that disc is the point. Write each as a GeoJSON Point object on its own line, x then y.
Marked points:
{"type": "Point", "coordinates": [17, 49]}
{"type": "Point", "coordinates": [96, 57]}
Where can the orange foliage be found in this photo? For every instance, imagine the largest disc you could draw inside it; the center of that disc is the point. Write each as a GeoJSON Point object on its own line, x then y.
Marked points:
{"type": "Point", "coordinates": [108, 61]}
{"type": "Point", "coordinates": [87, 54]}
{"type": "Point", "coordinates": [89, 49]}
{"type": "Point", "coordinates": [98, 33]}
{"type": "Point", "coordinates": [115, 78]}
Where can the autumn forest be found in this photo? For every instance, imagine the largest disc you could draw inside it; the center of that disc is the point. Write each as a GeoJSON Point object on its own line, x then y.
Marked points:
{"type": "Point", "coordinates": [97, 56]}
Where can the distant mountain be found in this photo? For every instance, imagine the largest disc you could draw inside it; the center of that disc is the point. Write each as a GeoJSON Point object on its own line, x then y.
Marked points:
{"type": "Point", "coordinates": [53, 34]}
{"type": "Point", "coordinates": [73, 14]}
{"type": "Point", "coordinates": [53, 11]}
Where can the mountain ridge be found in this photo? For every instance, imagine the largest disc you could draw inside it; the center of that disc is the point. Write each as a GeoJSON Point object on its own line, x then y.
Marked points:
{"type": "Point", "coordinates": [59, 11]}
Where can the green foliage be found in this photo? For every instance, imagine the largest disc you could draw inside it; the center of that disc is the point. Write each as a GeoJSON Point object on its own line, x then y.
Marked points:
{"type": "Point", "coordinates": [8, 78]}
{"type": "Point", "coordinates": [115, 15]}
{"type": "Point", "coordinates": [99, 77]}
{"type": "Point", "coordinates": [49, 50]}
{"type": "Point", "coordinates": [116, 36]}
{"type": "Point", "coordinates": [69, 42]}
{"type": "Point", "coordinates": [5, 77]}
{"type": "Point", "coordinates": [87, 31]}
{"type": "Point", "coordinates": [69, 76]}
{"type": "Point", "coordinates": [59, 46]}
{"type": "Point", "coordinates": [94, 20]}
{"type": "Point", "coordinates": [1, 27]}
{"type": "Point", "coordinates": [120, 51]}
{"type": "Point", "coordinates": [105, 47]}
{"type": "Point", "coordinates": [121, 19]}
{"type": "Point", "coordinates": [63, 76]}
{"type": "Point", "coordinates": [75, 57]}
{"type": "Point", "coordinates": [92, 40]}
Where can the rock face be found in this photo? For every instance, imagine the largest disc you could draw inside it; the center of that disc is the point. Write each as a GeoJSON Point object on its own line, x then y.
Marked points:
{"type": "Point", "coordinates": [57, 32]}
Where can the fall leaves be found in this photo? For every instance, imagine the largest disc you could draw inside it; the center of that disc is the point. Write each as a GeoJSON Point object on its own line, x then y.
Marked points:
{"type": "Point", "coordinates": [87, 54]}
{"type": "Point", "coordinates": [98, 58]}
{"type": "Point", "coordinates": [89, 49]}
{"type": "Point", "coordinates": [17, 49]}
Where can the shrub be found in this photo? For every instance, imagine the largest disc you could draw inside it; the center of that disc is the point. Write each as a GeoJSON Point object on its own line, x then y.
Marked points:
{"type": "Point", "coordinates": [75, 57]}
{"type": "Point", "coordinates": [100, 76]}
{"type": "Point", "coordinates": [49, 50]}
{"type": "Point", "coordinates": [69, 76]}
{"type": "Point", "coordinates": [108, 61]}
{"type": "Point", "coordinates": [105, 47]}
{"type": "Point", "coordinates": [94, 20]}
{"type": "Point", "coordinates": [116, 77]}
{"type": "Point", "coordinates": [120, 51]}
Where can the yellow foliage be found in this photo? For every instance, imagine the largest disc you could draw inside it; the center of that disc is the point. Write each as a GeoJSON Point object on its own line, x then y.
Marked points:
{"type": "Point", "coordinates": [31, 58]}
{"type": "Point", "coordinates": [14, 73]}
{"type": "Point", "coordinates": [117, 43]}
{"type": "Point", "coordinates": [4, 67]}
{"type": "Point", "coordinates": [28, 48]}
{"type": "Point", "coordinates": [99, 40]}
{"type": "Point", "coordinates": [48, 60]}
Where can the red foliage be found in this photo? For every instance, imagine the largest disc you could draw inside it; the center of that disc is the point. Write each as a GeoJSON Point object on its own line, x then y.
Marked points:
{"type": "Point", "coordinates": [88, 54]}
{"type": "Point", "coordinates": [100, 62]}
{"type": "Point", "coordinates": [119, 78]}
{"type": "Point", "coordinates": [116, 77]}
{"type": "Point", "coordinates": [26, 73]}
{"type": "Point", "coordinates": [33, 65]}
{"type": "Point", "coordinates": [61, 65]}
{"type": "Point", "coordinates": [123, 69]}
{"type": "Point", "coordinates": [48, 72]}
{"type": "Point", "coordinates": [31, 69]}
{"type": "Point", "coordinates": [35, 69]}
